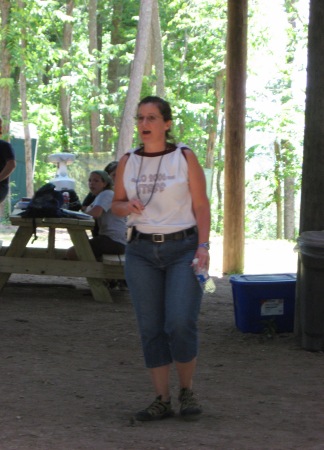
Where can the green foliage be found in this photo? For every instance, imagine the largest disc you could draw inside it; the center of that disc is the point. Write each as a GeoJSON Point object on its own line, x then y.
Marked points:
{"type": "Point", "coordinates": [194, 48]}
{"type": "Point", "coordinates": [194, 51]}
{"type": "Point", "coordinates": [6, 82]}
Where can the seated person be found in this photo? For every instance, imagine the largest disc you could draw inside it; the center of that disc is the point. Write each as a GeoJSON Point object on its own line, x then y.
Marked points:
{"type": "Point", "coordinates": [74, 201]}
{"type": "Point", "coordinates": [111, 170]}
{"type": "Point", "coordinates": [111, 235]}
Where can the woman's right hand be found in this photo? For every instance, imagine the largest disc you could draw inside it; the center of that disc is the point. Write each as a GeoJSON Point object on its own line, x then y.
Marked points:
{"type": "Point", "coordinates": [135, 206]}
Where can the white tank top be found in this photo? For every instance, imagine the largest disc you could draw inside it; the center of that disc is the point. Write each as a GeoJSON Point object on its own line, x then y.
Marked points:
{"type": "Point", "coordinates": [161, 183]}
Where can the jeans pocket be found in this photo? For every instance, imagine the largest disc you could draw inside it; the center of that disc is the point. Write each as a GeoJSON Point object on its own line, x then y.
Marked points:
{"type": "Point", "coordinates": [192, 240]}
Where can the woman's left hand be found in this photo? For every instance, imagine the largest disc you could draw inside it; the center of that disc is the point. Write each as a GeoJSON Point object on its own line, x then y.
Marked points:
{"type": "Point", "coordinates": [202, 254]}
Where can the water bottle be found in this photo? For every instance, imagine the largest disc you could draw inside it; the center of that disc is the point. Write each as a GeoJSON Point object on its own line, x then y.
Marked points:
{"type": "Point", "coordinates": [66, 200]}
{"type": "Point", "coordinates": [205, 281]}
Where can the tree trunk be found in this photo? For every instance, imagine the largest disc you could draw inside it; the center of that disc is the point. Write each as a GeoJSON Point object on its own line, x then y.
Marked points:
{"type": "Point", "coordinates": [287, 157]}
{"type": "Point", "coordinates": [113, 66]}
{"type": "Point", "coordinates": [135, 83]}
{"type": "Point", "coordinates": [278, 193]}
{"type": "Point", "coordinates": [220, 170]}
{"type": "Point", "coordinates": [157, 50]}
{"type": "Point", "coordinates": [24, 110]}
{"type": "Point", "coordinates": [183, 59]}
{"type": "Point", "coordinates": [27, 143]}
{"type": "Point", "coordinates": [234, 189]}
{"type": "Point", "coordinates": [213, 122]}
{"type": "Point", "coordinates": [289, 208]}
{"type": "Point", "coordinates": [93, 47]}
{"type": "Point", "coordinates": [65, 97]}
{"type": "Point", "coordinates": [287, 149]}
{"type": "Point", "coordinates": [5, 69]}
{"type": "Point", "coordinates": [213, 143]}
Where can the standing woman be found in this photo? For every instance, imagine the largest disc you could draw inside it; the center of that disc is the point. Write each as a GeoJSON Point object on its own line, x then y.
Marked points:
{"type": "Point", "coordinates": [162, 188]}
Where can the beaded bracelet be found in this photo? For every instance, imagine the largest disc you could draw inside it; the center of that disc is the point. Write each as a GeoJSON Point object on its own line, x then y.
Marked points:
{"type": "Point", "coordinates": [204, 245]}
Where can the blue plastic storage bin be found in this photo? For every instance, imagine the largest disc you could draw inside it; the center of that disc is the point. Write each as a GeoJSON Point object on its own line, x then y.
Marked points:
{"type": "Point", "coordinates": [260, 300]}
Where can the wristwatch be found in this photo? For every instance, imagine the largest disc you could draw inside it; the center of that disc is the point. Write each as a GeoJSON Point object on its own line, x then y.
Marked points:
{"type": "Point", "coordinates": [204, 245]}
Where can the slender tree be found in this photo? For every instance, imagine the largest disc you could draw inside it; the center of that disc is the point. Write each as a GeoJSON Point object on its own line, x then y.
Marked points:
{"type": "Point", "coordinates": [278, 189]}
{"type": "Point", "coordinates": [65, 95]}
{"type": "Point", "coordinates": [287, 147]}
{"type": "Point", "coordinates": [5, 80]}
{"type": "Point", "coordinates": [23, 99]}
{"type": "Point", "coordinates": [218, 183]}
{"type": "Point", "coordinates": [112, 85]}
{"type": "Point", "coordinates": [93, 50]}
{"type": "Point", "coordinates": [158, 57]}
{"type": "Point", "coordinates": [5, 68]}
{"type": "Point", "coordinates": [289, 182]}
{"type": "Point", "coordinates": [136, 77]}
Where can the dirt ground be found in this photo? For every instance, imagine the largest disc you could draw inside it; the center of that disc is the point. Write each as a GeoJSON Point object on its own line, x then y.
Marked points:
{"type": "Point", "coordinates": [72, 376]}
{"type": "Point", "coordinates": [72, 372]}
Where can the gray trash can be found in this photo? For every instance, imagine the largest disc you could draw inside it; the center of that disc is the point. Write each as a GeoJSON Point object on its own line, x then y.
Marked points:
{"type": "Point", "coordinates": [310, 290]}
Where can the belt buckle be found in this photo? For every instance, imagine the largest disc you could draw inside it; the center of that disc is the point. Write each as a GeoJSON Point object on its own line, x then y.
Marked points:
{"type": "Point", "coordinates": [158, 238]}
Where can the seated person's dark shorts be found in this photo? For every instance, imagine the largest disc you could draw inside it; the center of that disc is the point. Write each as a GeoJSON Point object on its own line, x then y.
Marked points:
{"type": "Point", "coordinates": [103, 245]}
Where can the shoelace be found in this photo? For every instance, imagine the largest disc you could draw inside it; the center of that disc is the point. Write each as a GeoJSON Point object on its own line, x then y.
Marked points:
{"type": "Point", "coordinates": [187, 399]}
{"type": "Point", "coordinates": [157, 407]}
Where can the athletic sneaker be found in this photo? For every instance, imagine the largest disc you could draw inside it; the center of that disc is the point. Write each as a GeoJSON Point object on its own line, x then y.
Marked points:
{"type": "Point", "coordinates": [189, 406]}
{"type": "Point", "coordinates": [156, 411]}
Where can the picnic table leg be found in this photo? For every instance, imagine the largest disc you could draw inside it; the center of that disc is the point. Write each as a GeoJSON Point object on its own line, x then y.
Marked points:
{"type": "Point", "coordinates": [16, 248]}
{"type": "Point", "coordinates": [84, 252]}
{"type": "Point", "coordinates": [51, 242]}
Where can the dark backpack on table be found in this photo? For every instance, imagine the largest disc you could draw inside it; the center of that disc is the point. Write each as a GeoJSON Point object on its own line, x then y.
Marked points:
{"type": "Point", "coordinates": [46, 202]}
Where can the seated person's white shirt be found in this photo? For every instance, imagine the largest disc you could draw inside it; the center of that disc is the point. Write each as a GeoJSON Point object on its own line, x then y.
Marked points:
{"type": "Point", "coordinates": [109, 224]}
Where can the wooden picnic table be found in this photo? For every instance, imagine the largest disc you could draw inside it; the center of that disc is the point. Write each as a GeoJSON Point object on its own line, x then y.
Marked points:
{"type": "Point", "coordinates": [18, 258]}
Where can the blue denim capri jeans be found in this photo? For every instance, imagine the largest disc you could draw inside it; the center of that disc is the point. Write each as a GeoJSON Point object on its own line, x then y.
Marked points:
{"type": "Point", "coordinates": [166, 297]}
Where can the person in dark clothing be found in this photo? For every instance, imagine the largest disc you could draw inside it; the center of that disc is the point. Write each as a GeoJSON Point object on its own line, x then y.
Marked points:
{"type": "Point", "coordinates": [7, 165]}
{"type": "Point", "coordinates": [74, 202]}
